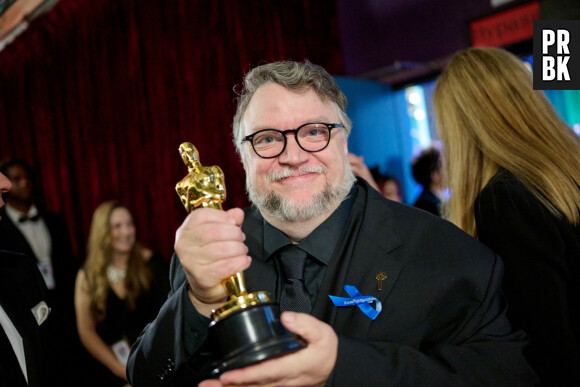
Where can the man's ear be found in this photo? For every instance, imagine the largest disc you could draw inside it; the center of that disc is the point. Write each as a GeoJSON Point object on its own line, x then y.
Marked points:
{"type": "Point", "coordinates": [244, 157]}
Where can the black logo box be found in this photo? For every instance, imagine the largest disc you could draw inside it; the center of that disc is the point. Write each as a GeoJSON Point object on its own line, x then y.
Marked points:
{"type": "Point", "coordinates": [573, 65]}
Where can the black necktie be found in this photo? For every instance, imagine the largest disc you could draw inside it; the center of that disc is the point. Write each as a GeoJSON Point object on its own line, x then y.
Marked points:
{"type": "Point", "coordinates": [295, 296]}
{"type": "Point", "coordinates": [8, 361]}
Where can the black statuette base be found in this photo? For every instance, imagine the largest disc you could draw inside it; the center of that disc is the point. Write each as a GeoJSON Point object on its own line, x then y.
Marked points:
{"type": "Point", "coordinates": [251, 335]}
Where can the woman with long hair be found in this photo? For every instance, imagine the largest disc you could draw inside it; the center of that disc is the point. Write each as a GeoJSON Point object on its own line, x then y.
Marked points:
{"type": "Point", "coordinates": [118, 291]}
{"type": "Point", "coordinates": [513, 170]}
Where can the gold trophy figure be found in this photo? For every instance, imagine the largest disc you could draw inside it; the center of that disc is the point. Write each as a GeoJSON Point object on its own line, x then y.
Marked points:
{"type": "Point", "coordinates": [247, 326]}
{"type": "Point", "coordinates": [203, 186]}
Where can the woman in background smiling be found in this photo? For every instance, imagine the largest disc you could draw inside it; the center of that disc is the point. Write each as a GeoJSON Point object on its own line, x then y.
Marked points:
{"type": "Point", "coordinates": [119, 290]}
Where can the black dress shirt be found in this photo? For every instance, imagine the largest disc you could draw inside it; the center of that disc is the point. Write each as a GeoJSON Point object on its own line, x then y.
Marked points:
{"type": "Point", "coordinates": [319, 245]}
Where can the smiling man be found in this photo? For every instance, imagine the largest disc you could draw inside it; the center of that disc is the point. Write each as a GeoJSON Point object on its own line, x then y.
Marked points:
{"type": "Point", "coordinates": [299, 180]}
{"type": "Point", "coordinates": [413, 300]}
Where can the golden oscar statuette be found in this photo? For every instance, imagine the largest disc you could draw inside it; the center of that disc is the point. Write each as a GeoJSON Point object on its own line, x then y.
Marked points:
{"type": "Point", "coordinates": [247, 327]}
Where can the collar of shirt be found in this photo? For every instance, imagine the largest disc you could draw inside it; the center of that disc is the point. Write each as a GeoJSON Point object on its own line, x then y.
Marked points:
{"type": "Point", "coordinates": [15, 215]}
{"type": "Point", "coordinates": [317, 243]}
{"type": "Point", "coordinates": [36, 234]}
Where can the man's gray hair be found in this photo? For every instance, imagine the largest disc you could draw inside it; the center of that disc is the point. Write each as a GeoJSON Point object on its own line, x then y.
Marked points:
{"type": "Point", "coordinates": [295, 76]}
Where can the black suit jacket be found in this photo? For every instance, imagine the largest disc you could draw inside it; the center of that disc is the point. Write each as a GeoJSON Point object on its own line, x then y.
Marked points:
{"type": "Point", "coordinates": [21, 289]}
{"type": "Point", "coordinates": [542, 280]}
{"type": "Point", "coordinates": [65, 264]}
{"type": "Point", "coordinates": [61, 298]}
{"type": "Point", "coordinates": [443, 318]}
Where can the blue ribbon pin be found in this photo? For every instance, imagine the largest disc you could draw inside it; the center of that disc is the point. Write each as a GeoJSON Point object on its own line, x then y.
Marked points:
{"type": "Point", "coordinates": [359, 300]}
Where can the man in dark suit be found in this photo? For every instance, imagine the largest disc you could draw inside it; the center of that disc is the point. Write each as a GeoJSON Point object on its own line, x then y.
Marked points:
{"type": "Point", "coordinates": [27, 228]}
{"type": "Point", "coordinates": [27, 355]}
{"type": "Point", "coordinates": [414, 300]}
{"type": "Point", "coordinates": [427, 171]}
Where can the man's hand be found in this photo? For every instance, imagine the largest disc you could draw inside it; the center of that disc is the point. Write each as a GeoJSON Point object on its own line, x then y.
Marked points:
{"type": "Point", "coordinates": [310, 366]}
{"type": "Point", "coordinates": [210, 246]}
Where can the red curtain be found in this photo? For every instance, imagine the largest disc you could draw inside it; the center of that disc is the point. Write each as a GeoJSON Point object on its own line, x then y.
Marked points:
{"type": "Point", "coordinates": [98, 96]}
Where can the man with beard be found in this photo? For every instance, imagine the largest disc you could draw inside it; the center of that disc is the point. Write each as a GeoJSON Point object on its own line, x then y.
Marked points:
{"type": "Point", "coordinates": [425, 306]}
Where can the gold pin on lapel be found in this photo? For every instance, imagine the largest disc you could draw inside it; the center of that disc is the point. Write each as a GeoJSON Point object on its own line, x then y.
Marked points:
{"type": "Point", "coordinates": [380, 277]}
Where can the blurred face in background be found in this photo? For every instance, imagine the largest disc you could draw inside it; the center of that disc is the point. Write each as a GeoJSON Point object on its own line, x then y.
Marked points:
{"type": "Point", "coordinates": [390, 189]}
{"type": "Point", "coordinates": [22, 185]}
{"type": "Point", "coordinates": [5, 186]}
{"type": "Point", "coordinates": [123, 233]}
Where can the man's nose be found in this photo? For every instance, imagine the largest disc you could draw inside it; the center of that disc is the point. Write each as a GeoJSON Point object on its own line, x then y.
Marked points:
{"type": "Point", "coordinates": [292, 153]}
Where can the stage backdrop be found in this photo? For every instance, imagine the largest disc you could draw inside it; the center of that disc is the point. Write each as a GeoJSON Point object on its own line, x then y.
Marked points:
{"type": "Point", "coordinates": [98, 95]}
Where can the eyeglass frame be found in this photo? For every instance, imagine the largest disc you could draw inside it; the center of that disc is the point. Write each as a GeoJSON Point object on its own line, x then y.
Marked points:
{"type": "Point", "coordinates": [250, 137]}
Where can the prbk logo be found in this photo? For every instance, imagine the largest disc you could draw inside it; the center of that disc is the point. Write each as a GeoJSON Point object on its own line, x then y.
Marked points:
{"type": "Point", "coordinates": [557, 54]}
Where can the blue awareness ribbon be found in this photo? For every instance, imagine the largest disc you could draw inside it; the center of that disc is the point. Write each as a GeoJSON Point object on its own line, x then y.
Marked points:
{"type": "Point", "coordinates": [359, 300]}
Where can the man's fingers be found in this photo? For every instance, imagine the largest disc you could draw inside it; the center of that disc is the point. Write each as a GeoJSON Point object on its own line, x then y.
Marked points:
{"type": "Point", "coordinates": [237, 214]}
{"type": "Point", "coordinates": [210, 383]}
{"type": "Point", "coordinates": [212, 215]}
{"type": "Point", "coordinates": [223, 250]}
{"type": "Point", "coordinates": [304, 325]}
{"type": "Point", "coordinates": [216, 232]}
{"type": "Point", "coordinates": [208, 228]}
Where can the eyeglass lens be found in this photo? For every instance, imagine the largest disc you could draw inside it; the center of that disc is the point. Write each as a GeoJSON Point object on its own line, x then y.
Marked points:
{"type": "Point", "coordinates": [312, 138]}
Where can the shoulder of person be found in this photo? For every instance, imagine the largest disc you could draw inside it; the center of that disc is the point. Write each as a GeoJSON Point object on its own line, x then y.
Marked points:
{"type": "Point", "coordinates": [21, 270]}
{"type": "Point", "coordinates": [505, 179]}
{"type": "Point", "coordinates": [11, 259]}
{"type": "Point", "coordinates": [504, 190]}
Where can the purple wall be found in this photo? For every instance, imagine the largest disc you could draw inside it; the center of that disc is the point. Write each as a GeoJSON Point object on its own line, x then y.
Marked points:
{"type": "Point", "coordinates": [377, 33]}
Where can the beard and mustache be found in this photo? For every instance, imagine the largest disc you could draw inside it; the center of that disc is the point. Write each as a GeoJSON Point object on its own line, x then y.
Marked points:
{"type": "Point", "coordinates": [284, 208]}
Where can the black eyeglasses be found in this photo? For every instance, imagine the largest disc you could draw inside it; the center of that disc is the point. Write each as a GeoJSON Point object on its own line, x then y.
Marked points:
{"type": "Point", "coordinates": [311, 137]}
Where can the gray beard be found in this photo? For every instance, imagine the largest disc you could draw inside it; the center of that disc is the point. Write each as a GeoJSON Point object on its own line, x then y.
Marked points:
{"type": "Point", "coordinates": [284, 209]}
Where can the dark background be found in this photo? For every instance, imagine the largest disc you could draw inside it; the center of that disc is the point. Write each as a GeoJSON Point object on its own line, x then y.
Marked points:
{"type": "Point", "coordinates": [98, 95]}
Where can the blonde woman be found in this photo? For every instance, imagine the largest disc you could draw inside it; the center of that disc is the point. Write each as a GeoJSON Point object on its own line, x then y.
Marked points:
{"type": "Point", "coordinates": [513, 170]}
{"type": "Point", "coordinates": [118, 291]}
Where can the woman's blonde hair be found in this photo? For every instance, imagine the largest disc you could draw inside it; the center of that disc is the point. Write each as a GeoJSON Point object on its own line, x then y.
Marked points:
{"type": "Point", "coordinates": [99, 255]}
{"type": "Point", "coordinates": [489, 118]}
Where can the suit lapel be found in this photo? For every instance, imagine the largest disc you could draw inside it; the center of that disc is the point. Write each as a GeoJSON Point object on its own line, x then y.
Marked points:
{"type": "Point", "coordinates": [10, 371]}
{"type": "Point", "coordinates": [18, 299]}
{"type": "Point", "coordinates": [359, 257]}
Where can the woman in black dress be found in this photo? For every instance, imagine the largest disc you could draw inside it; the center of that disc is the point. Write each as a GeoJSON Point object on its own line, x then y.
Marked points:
{"type": "Point", "coordinates": [118, 291]}
{"type": "Point", "coordinates": [513, 168]}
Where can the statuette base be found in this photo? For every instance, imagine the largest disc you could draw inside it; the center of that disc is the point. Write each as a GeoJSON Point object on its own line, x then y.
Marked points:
{"type": "Point", "coordinates": [250, 335]}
